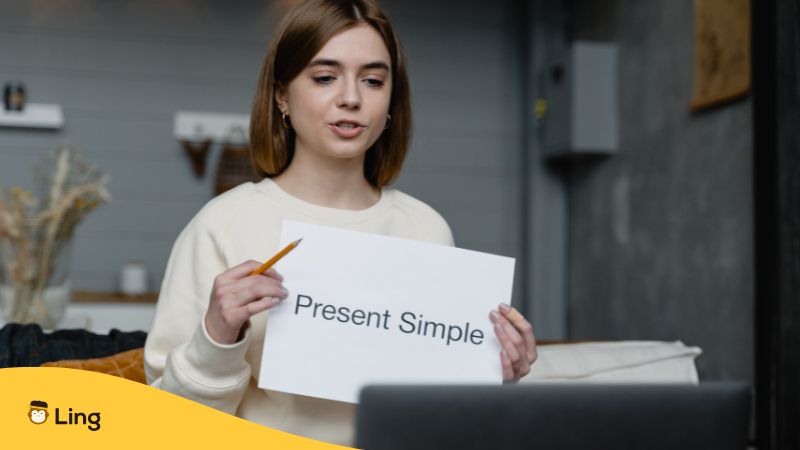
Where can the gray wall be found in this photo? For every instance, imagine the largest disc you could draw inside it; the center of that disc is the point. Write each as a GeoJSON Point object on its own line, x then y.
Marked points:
{"type": "Point", "coordinates": [661, 237]}
{"type": "Point", "coordinates": [120, 69]}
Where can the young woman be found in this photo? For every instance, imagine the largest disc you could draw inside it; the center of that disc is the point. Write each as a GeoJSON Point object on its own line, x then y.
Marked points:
{"type": "Point", "coordinates": [329, 131]}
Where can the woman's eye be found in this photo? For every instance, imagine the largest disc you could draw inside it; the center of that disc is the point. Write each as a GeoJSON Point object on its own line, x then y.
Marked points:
{"type": "Point", "coordinates": [324, 79]}
{"type": "Point", "coordinates": [373, 82]}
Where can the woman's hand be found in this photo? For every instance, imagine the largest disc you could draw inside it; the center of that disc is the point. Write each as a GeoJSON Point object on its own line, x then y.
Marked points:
{"type": "Point", "coordinates": [516, 337]}
{"type": "Point", "coordinates": [236, 296]}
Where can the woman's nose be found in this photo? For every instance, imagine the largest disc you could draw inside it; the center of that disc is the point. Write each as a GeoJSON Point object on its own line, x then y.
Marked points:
{"type": "Point", "coordinates": [349, 95]}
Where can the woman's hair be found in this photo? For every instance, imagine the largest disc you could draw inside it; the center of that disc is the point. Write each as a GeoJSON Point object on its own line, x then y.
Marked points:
{"type": "Point", "coordinates": [301, 34]}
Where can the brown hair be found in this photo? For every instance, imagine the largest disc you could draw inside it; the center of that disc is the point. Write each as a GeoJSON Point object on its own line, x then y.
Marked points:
{"type": "Point", "coordinates": [301, 34]}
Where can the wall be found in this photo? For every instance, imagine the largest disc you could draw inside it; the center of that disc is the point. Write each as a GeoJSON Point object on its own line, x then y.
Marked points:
{"type": "Point", "coordinates": [661, 236]}
{"type": "Point", "coordinates": [120, 69]}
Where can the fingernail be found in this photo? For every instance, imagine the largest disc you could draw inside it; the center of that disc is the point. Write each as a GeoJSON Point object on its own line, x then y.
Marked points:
{"type": "Point", "coordinates": [494, 316]}
{"type": "Point", "coordinates": [275, 300]}
{"type": "Point", "coordinates": [497, 328]}
{"type": "Point", "coordinates": [285, 292]}
{"type": "Point", "coordinates": [505, 308]}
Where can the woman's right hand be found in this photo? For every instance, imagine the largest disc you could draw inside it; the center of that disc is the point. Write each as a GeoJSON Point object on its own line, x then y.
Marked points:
{"type": "Point", "coordinates": [236, 296]}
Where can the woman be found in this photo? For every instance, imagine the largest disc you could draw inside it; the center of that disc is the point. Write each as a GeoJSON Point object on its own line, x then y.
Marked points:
{"type": "Point", "coordinates": [329, 130]}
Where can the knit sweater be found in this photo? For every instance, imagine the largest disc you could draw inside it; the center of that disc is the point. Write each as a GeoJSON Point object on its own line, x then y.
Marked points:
{"type": "Point", "coordinates": [242, 224]}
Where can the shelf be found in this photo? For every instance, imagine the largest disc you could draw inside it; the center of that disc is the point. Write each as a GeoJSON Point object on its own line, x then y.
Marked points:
{"type": "Point", "coordinates": [193, 125]}
{"type": "Point", "coordinates": [112, 297]}
{"type": "Point", "coordinates": [35, 115]}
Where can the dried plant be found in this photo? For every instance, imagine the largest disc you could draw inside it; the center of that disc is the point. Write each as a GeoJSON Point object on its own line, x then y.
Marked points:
{"type": "Point", "coordinates": [34, 232]}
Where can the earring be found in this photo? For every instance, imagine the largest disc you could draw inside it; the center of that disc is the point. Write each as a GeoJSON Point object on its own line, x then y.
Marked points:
{"type": "Point", "coordinates": [284, 121]}
{"type": "Point", "coordinates": [388, 118]}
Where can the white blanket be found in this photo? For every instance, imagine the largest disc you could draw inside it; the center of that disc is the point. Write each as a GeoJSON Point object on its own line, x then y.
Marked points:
{"type": "Point", "coordinates": [623, 362]}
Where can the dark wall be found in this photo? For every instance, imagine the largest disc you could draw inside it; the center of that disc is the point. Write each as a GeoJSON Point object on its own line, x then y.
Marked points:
{"type": "Point", "coordinates": [776, 73]}
{"type": "Point", "coordinates": [661, 237]}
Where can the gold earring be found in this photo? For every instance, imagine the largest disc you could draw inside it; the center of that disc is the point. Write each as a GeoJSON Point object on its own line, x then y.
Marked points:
{"type": "Point", "coordinates": [284, 121]}
{"type": "Point", "coordinates": [388, 118]}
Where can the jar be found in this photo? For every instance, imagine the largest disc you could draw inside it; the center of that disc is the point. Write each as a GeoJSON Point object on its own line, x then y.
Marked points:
{"type": "Point", "coordinates": [14, 96]}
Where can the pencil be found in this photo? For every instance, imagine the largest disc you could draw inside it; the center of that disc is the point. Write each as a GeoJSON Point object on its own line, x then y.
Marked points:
{"type": "Point", "coordinates": [276, 258]}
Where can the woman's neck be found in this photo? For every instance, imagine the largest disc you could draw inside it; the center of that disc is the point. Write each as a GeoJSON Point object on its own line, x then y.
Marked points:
{"type": "Point", "coordinates": [330, 182]}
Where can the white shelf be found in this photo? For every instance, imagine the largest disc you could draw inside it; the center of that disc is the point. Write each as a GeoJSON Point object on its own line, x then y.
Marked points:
{"type": "Point", "coordinates": [35, 115]}
{"type": "Point", "coordinates": [193, 125]}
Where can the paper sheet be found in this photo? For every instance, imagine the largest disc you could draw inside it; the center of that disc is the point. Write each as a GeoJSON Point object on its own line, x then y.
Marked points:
{"type": "Point", "coordinates": [368, 309]}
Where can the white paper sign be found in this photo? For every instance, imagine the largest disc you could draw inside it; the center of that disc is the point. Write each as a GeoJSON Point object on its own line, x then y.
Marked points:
{"type": "Point", "coordinates": [365, 309]}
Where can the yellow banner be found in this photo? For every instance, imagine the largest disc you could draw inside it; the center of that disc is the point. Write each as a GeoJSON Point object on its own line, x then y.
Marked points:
{"type": "Point", "coordinates": [57, 408]}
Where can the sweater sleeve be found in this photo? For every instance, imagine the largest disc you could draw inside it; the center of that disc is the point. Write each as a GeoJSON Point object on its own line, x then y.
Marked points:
{"type": "Point", "coordinates": [180, 356]}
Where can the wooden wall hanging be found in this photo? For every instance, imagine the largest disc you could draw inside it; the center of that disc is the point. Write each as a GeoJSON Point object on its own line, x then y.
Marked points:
{"type": "Point", "coordinates": [721, 52]}
{"type": "Point", "coordinates": [234, 167]}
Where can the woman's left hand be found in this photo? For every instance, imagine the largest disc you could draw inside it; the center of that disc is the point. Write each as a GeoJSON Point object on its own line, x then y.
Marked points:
{"type": "Point", "coordinates": [516, 337]}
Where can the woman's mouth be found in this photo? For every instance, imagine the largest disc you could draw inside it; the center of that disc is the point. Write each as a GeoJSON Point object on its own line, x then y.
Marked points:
{"type": "Point", "coordinates": [347, 129]}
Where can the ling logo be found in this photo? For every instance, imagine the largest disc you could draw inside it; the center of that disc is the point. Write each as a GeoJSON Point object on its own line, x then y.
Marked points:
{"type": "Point", "coordinates": [38, 414]}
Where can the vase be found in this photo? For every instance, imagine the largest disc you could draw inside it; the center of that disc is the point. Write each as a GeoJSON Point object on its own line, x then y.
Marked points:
{"type": "Point", "coordinates": [34, 280]}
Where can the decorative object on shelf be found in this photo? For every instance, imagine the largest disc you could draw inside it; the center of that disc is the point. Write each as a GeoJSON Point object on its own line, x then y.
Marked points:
{"type": "Point", "coordinates": [14, 96]}
{"type": "Point", "coordinates": [198, 132]}
{"type": "Point", "coordinates": [197, 151]}
{"type": "Point", "coordinates": [36, 237]}
{"type": "Point", "coordinates": [234, 166]}
{"type": "Point", "coordinates": [133, 278]}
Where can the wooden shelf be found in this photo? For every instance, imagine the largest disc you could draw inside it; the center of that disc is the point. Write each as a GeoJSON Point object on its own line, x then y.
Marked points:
{"type": "Point", "coordinates": [35, 115]}
{"type": "Point", "coordinates": [112, 297]}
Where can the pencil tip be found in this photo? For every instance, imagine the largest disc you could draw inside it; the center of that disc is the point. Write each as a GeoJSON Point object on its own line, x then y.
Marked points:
{"type": "Point", "coordinates": [298, 241]}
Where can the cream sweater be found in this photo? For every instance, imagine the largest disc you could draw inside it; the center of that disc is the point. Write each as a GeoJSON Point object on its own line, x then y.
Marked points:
{"type": "Point", "coordinates": [245, 223]}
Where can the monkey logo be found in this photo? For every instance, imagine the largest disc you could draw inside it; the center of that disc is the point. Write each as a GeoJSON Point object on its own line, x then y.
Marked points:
{"type": "Point", "coordinates": [38, 412]}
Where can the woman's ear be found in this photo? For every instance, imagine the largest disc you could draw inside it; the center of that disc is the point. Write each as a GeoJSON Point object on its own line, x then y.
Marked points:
{"type": "Point", "coordinates": [281, 99]}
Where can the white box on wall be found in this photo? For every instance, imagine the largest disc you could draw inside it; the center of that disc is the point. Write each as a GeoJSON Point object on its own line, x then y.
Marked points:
{"type": "Point", "coordinates": [581, 92]}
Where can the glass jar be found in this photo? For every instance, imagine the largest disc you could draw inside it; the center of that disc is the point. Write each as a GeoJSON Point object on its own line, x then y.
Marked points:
{"type": "Point", "coordinates": [34, 279]}
{"type": "Point", "coordinates": [14, 96]}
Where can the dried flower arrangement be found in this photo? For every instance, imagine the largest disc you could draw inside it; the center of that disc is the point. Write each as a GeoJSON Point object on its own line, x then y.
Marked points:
{"type": "Point", "coordinates": [34, 233]}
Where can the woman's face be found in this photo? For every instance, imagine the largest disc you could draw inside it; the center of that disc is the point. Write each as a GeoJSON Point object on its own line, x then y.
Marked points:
{"type": "Point", "coordinates": [338, 104]}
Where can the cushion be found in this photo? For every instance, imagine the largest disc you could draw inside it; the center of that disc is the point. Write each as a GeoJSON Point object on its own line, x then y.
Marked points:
{"type": "Point", "coordinates": [617, 361]}
{"type": "Point", "coordinates": [129, 364]}
{"type": "Point", "coordinates": [27, 345]}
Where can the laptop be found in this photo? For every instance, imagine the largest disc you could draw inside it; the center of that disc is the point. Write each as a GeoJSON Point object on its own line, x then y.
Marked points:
{"type": "Point", "coordinates": [711, 416]}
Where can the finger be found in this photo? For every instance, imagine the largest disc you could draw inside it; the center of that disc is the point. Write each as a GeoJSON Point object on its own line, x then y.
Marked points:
{"type": "Point", "coordinates": [523, 326]}
{"type": "Point", "coordinates": [531, 344]}
{"type": "Point", "coordinates": [517, 340]}
{"type": "Point", "coordinates": [508, 370]}
{"type": "Point", "coordinates": [508, 346]}
{"type": "Point", "coordinates": [239, 271]}
{"type": "Point", "coordinates": [260, 305]}
{"type": "Point", "coordinates": [272, 273]}
{"type": "Point", "coordinates": [253, 288]}
{"type": "Point", "coordinates": [234, 286]}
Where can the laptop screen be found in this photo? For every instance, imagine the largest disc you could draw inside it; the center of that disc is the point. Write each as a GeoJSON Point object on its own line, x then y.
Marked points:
{"type": "Point", "coordinates": [554, 417]}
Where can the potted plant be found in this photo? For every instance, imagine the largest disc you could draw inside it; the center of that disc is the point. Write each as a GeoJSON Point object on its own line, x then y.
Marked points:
{"type": "Point", "coordinates": [36, 237]}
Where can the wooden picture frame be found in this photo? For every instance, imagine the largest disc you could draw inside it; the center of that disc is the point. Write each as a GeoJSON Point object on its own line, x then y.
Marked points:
{"type": "Point", "coordinates": [721, 52]}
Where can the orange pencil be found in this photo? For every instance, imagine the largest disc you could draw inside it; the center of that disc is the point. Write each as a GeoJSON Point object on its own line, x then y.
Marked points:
{"type": "Point", "coordinates": [276, 258]}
